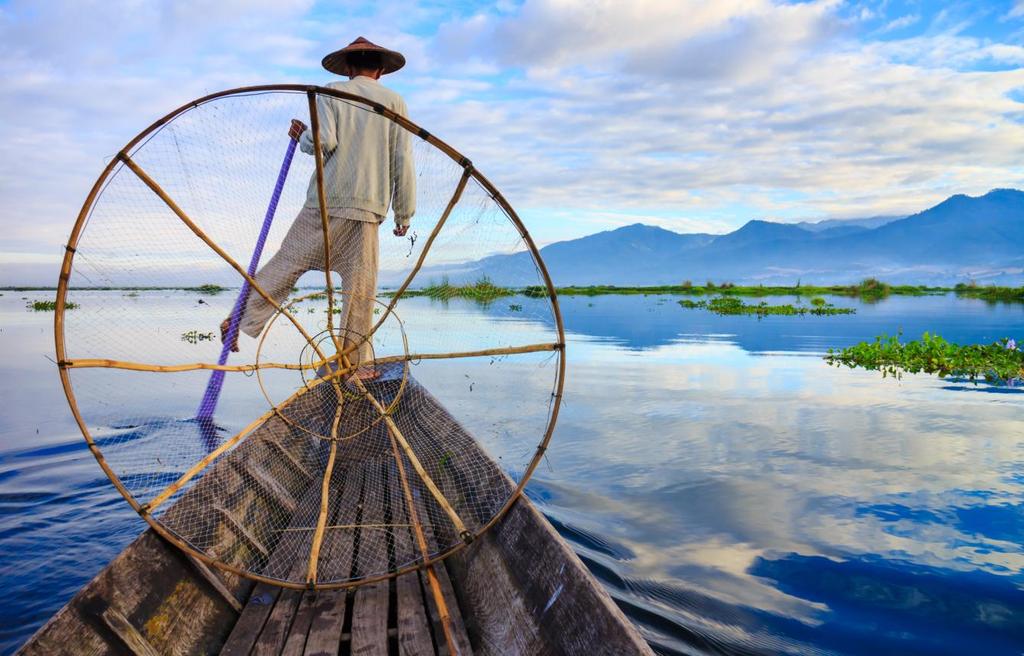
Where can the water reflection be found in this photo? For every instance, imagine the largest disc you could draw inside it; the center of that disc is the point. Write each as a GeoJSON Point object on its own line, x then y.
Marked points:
{"type": "Point", "coordinates": [731, 491]}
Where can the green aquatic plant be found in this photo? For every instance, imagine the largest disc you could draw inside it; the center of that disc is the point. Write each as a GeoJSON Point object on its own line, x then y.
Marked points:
{"type": "Point", "coordinates": [870, 289]}
{"type": "Point", "coordinates": [209, 289]}
{"type": "Point", "coordinates": [999, 362]}
{"type": "Point", "coordinates": [515, 307]}
{"type": "Point", "coordinates": [195, 336]}
{"type": "Point", "coordinates": [990, 293]}
{"type": "Point", "coordinates": [481, 291]}
{"type": "Point", "coordinates": [730, 305]}
{"type": "Point", "coordinates": [49, 306]}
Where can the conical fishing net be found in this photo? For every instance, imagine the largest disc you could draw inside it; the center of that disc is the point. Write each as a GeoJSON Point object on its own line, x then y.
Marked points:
{"type": "Point", "coordinates": [372, 421]}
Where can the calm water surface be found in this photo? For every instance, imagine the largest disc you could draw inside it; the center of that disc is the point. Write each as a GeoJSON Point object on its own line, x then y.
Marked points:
{"type": "Point", "coordinates": [732, 492]}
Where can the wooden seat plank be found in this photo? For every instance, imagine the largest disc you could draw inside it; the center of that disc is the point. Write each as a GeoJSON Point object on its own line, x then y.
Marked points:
{"type": "Point", "coordinates": [370, 604]}
{"type": "Point", "coordinates": [413, 628]}
{"type": "Point", "coordinates": [324, 637]}
{"type": "Point", "coordinates": [269, 607]}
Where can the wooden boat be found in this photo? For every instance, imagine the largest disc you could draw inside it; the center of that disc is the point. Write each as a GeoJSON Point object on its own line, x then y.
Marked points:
{"type": "Point", "coordinates": [518, 589]}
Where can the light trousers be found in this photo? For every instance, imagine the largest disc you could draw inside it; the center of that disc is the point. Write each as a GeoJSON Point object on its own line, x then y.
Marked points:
{"type": "Point", "coordinates": [354, 238]}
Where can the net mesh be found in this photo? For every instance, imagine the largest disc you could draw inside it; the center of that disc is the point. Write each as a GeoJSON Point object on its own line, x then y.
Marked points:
{"type": "Point", "coordinates": [365, 426]}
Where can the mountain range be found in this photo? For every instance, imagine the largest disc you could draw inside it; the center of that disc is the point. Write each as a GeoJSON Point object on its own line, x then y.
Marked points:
{"type": "Point", "coordinates": [962, 238]}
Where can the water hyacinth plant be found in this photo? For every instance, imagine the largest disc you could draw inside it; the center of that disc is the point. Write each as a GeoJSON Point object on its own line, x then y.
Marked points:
{"type": "Point", "coordinates": [1000, 363]}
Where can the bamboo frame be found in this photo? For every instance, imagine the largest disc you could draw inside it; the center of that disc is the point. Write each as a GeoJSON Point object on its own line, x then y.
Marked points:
{"type": "Point", "coordinates": [169, 491]}
{"type": "Point", "coordinates": [421, 541]}
{"type": "Point", "coordinates": [456, 195]}
{"type": "Point", "coordinates": [413, 128]}
{"type": "Point", "coordinates": [325, 488]}
{"type": "Point", "coordinates": [87, 363]}
{"type": "Point", "coordinates": [318, 156]}
{"type": "Point", "coordinates": [338, 357]}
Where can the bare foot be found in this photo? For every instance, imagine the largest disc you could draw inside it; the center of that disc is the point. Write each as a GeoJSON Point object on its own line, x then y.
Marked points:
{"type": "Point", "coordinates": [224, 335]}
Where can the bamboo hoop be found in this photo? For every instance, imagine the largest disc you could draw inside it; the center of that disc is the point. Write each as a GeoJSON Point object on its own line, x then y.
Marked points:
{"type": "Point", "coordinates": [342, 371]}
{"type": "Point", "coordinates": [405, 123]}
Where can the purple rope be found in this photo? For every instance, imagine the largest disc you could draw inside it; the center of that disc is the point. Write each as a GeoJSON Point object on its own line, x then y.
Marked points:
{"type": "Point", "coordinates": [210, 398]}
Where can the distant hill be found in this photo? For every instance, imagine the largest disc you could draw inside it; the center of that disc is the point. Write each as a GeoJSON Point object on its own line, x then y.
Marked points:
{"type": "Point", "coordinates": [830, 224]}
{"type": "Point", "coordinates": [962, 238]}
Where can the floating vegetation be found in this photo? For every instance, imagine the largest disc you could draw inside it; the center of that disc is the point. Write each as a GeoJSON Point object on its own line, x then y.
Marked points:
{"type": "Point", "coordinates": [515, 307]}
{"type": "Point", "coordinates": [482, 291]}
{"type": "Point", "coordinates": [868, 289]}
{"type": "Point", "coordinates": [209, 289]}
{"type": "Point", "coordinates": [1001, 362]}
{"type": "Point", "coordinates": [49, 306]}
{"type": "Point", "coordinates": [990, 293]}
{"type": "Point", "coordinates": [728, 305]}
{"type": "Point", "coordinates": [194, 337]}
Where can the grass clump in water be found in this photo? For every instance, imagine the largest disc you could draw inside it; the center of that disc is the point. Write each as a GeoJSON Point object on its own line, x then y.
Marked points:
{"type": "Point", "coordinates": [730, 305]}
{"type": "Point", "coordinates": [209, 289]}
{"type": "Point", "coordinates": [49, 306]}
{"type": "Point", "coordinates": [481, 291]}
{"type": "Point", "coordinates": [990, 293]}
{"type": "Point", "coordinates": [1001, 362]}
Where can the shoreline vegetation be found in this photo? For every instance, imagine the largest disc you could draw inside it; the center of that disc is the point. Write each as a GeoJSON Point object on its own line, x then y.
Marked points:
{"type": "Point", "coordinates": [999, 363]}
{"type": "Point", "coordinates": [485, 291]}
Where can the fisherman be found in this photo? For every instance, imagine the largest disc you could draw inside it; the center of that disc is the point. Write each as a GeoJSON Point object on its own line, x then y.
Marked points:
{"type": "Point", "coordinates": [368, 167]}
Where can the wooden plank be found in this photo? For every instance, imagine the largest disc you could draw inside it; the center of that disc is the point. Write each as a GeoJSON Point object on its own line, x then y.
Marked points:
{"type": "Point", "coordinates": [458, 626]}
{"type": "Point", "coordinates": [413, 631]}
{"type": "Point", "coordinates": [127, 633]}
{"type": "Point", "coordinates": [260, 625]}
{"type": "Point", "coordinates": [324, 638]}
{"type": "Point", "coordinates": [268, 484]}
{"type": "Point", "coordinates": [242, 532]}
{"type": "Point", "coordinates": [294, 545]}
{"type": "Point", "coordinates": [216, 583]}
{"type": "Point", "coordinates": [295, 643]}
{"type": "Point", "coordinates": [250, 623]}
{"type": "Point", "coordinates": [290, 459]}
{"type": "Point", "coordinates": [370, 605]}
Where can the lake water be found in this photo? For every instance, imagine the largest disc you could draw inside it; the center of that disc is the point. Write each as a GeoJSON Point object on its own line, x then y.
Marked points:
{"type": "Point", "coordinates": [732, 492]}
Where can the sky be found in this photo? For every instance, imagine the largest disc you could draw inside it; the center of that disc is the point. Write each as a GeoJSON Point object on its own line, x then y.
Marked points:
{"type": "Point", "coordinates": [589, 115]}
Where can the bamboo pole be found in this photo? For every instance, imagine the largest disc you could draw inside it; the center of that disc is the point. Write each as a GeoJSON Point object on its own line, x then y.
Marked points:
{"type": "Point", "coordinates": [456, 195]}
{"type": "Point", "coordinates": [151, 505]}
{"type": "Point", "coordinates": [318, 156]}
{"type": "Point", "coordinates": [442, 501]}
{"type": "Point", "coordinates": [156, 189]}
{"type": "Point", "coordinates": [87, 363]}
{"type": "Point", "coordinates": [325, 487]}
{"type": "Point", "coordinates": [337, 526]}
{"type": "Point", "coordinates": [421, 541]}
{"type": "Point", "coordinates": [501, 350]}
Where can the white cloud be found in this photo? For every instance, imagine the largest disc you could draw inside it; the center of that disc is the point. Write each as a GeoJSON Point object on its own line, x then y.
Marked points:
{"type": "Point", "coordinates": [691, 114]}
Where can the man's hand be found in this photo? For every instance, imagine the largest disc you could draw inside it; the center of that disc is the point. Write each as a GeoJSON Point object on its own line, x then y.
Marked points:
{"type": "Point", "coordinates": [296, 129]}
{"type": "Point", "coordinates": [400, 231]}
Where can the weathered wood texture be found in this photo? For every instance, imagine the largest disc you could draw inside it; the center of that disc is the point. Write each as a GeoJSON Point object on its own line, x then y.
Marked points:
{"type": "Point", "coordinates": [519, 589]}
{"type": "Point", "coordinates": [170, 599]}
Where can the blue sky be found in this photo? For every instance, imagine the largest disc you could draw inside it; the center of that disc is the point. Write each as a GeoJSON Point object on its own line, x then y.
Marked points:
{"type": "Point", "coordinates": [691, 115]}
